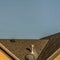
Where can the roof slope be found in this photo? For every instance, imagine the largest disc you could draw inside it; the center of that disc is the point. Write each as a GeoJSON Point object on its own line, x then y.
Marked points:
{"type": "Point", "coordinates": [18, 46]}
{"type": "Point", "coordinates": [52, 45]}
{"type": "Point", "coordinates": [45, 46]}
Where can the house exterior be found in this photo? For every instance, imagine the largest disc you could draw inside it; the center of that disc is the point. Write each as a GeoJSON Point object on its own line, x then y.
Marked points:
{"type": "Point", "coordinates": [18, 49]}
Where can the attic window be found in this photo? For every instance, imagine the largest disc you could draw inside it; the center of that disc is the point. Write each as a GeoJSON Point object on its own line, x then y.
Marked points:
{"type": "Point", "coordinates": [12, 40]}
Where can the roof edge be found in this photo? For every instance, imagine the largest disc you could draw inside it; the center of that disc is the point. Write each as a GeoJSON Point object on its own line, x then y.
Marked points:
{"type": "Point", "coordinates": [54, 54]}
{"type": "Point", "coordinates": [47, 37]}
{"type": "Point", "coordinates": [3, 47]}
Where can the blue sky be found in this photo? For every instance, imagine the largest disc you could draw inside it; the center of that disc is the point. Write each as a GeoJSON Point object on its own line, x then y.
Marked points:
{"type": "Point", "coordinates": [29, 19]}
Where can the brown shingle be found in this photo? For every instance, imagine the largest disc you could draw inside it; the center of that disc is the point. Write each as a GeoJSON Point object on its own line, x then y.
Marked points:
{"type": "Point", "coordinates": [52, 45]}
{"type": "Point", "coordinates": [45, 47]}
{"type": "Point", "coordinates": [18, 46]}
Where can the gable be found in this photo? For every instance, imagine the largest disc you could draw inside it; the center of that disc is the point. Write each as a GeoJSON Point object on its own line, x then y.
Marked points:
{"type": "Point", "coordinates": [5, 54]}
{"type": "Point", "coordinates": [19, 47]}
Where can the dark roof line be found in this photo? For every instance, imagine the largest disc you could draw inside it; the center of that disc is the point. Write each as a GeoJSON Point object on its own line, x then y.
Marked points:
{"type": "Point", "coordinates": [48, 37]}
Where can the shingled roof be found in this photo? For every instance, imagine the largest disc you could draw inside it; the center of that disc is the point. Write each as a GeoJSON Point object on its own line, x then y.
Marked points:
{"type": "Point", "coordinates": [18, 46]}
{"type": "Point", "coordinates": [45, 47]}
{"type": "Point", "coordinates": [52, 45]}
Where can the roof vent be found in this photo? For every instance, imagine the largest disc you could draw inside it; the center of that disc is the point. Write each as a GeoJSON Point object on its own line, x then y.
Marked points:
{"type": "Point", "coordinates": [12, 40]}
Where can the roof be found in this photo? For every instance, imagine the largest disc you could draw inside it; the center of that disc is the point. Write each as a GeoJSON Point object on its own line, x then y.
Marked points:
{"type": "Point", "coordinates": [54, 55]}
{"type": "Point", "coordinates": [19, 46]}
{"type": "Point", "coordinates": [45, 47]}
{"type": "Point", "coordinates": [52, 45]}
{"type": "Point", "coordinates": [6, 53]}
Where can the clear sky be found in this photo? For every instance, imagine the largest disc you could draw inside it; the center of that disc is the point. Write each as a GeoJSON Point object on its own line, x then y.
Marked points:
{"type": "Point", "coordinates": [29, 19]}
